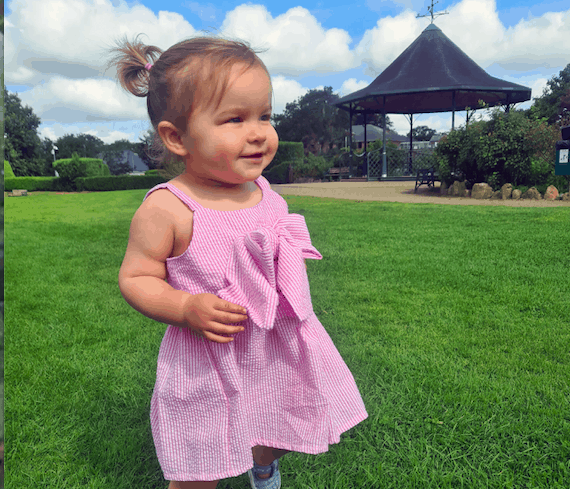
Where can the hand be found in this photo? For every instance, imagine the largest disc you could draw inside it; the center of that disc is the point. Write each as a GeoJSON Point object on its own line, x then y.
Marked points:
{"type": "Point", "coordinates": [209, 316]}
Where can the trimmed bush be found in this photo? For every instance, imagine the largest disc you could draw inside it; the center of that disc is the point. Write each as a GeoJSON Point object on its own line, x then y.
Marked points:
{"type": "Point", "coordinates": [278, 174]}
{"type": "Point", "coordinates": [286, 151]}
{"type": "Point", "coordinates": [310, 166]}
{"type": "Point", "coordinates": [118, 182]}
{"type": "Point", "coordinates": [8, 172]}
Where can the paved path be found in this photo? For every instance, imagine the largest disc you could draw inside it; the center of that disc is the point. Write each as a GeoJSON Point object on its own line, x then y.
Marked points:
{"type": "Point", "coordinates": [398, 192]}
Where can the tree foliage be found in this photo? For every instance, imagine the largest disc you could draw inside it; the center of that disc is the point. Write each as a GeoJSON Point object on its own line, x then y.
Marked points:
{"type": "Point", "coordinates": [313, 119]}
{"type": "Point", "coordinates": [509, 148]}
{"type": "Point", "coordinates": [23, 147]}
{"type": "Point", "coordinates": [143, 147]}
{"type": "Point", "coordinates": [85, 145]}
{"type": "Point", "coordinates": [114, 155]}
{"type": "Point", "coordinates": [374, 119]}
{"type": "Point", "coordinates": [554, 104]}
{"type": "Point", "coordinates": [421, 133]}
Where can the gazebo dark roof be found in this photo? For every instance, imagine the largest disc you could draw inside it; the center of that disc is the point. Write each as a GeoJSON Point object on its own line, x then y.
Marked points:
{"type": "Point", "coordinates": [432, 75]}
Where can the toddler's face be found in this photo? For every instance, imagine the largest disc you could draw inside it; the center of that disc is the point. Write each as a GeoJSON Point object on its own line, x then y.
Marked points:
{"type": "Point", "coordinates": [219, 141]}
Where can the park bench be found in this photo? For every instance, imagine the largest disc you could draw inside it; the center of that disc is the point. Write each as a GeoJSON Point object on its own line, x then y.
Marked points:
{"type": "Point", "coordinates": [337, 173]}
{"type": "Point", "coordinates": [18, 193]}
{"type": "Point", "coordinates": [426, 176]}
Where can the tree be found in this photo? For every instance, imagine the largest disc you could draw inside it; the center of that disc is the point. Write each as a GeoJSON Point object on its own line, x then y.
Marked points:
{"type": "Point", "coordinates": [85, 145]}
{"type": "Point", "coordinates": [23, 147]}
{"type": "Point", "coordinates": [313, 120]}
{"type": "Point", "coordinates": [113, 154]}
{"type": "Point", "coordinates": [143, 148]}
{"type": "Point", "coordinates": [374, 119]}
{"type": "Point", "coordinates": [551, 104]}
{"type": "Point", "coordinates": [421, 133]}
{"type": "Point", "coordinates": [47, 156]}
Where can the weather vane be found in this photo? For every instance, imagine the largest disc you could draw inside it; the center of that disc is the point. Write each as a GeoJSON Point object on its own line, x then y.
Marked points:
{"type": "Point", "coordinates": [431, 12]}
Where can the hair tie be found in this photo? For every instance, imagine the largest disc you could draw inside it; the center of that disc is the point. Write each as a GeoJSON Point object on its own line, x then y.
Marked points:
{"type": "Point", "coordinates": [148, 66]}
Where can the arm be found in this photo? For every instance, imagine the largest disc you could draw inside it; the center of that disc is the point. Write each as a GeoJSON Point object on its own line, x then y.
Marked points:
{"type": "Point", "coordinates": [143, 272]}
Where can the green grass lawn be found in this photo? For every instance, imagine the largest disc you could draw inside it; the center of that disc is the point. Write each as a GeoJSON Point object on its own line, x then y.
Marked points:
{"type": "Point", "coordinates": [454, 320]}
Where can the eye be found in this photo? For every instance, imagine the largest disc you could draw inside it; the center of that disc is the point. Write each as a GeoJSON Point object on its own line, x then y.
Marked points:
{"type": "Point", "coordinates": [235, 119]}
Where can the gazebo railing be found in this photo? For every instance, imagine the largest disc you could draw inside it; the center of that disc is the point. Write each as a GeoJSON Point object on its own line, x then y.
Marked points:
{"type": "Point", "coordinates": [397, 163]}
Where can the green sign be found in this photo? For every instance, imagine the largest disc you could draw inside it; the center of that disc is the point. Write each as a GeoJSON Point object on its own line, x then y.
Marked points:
{"type": "Point", "coordinates": [562, 166]}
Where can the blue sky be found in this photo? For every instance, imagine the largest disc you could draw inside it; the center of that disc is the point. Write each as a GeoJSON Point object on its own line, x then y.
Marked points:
{"type": "Point", "coordinates": [54, 58]}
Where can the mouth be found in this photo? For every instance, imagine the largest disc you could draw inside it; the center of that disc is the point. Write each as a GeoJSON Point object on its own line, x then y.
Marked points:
{"type": "Point", "coordinates": [256, 155]}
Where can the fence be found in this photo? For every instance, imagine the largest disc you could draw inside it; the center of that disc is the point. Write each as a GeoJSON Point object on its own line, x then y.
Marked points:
{"type": "Point", "coordinates": [399, 165]}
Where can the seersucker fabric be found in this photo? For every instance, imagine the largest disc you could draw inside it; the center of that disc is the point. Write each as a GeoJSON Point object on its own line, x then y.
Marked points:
{"type": "Point", "coordinates": [281, 383]}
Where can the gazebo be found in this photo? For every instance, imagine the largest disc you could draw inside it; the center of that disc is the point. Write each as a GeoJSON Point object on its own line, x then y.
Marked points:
{"type": "Point", "coordinates": [431, 75]}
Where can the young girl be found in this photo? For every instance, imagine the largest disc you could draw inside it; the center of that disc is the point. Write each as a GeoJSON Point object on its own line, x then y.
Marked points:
{"type": "Point", "coordinates": [246, 372]}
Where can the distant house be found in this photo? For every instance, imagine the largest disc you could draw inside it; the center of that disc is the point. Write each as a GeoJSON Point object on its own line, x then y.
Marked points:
{"type": "Point", "coordinates": [373, 133]}
{"type": "Point", "coordinates": [432, 143]}
{"type": "Point", "coordinates": [137, 166]}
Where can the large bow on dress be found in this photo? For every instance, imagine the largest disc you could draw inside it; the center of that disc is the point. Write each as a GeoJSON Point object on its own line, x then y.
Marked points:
{"type": "Point", "coordinates": [269, 260]}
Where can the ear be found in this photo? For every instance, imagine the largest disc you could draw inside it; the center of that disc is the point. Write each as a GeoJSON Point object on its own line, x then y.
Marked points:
{"type": "Point", "coordinates": [171, 137]}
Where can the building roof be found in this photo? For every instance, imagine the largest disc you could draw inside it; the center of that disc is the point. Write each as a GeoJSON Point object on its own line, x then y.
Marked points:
{"type": "Point", "coordinates": [373, 133]}
{"type": "Point", "coordinates": [428, 76]}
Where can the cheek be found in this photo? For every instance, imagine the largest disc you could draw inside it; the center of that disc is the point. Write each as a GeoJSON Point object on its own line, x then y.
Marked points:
{"type": "Point", "coordinates": [231, 139]}
{"type": "Point", "coordinates": [273, 140]}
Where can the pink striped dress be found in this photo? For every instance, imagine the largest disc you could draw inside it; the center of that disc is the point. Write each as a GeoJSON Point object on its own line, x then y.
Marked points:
{"type": "Point", "coordinates": [281, 383]}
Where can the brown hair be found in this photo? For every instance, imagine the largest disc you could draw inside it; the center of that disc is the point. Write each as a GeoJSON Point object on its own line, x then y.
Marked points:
{"type": "Point", "coordinates": [179, 79]}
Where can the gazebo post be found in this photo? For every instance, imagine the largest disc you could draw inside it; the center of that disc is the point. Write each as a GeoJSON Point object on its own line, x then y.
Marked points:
{"type": "Point", "coordinates": [365, 148]}
{"type": "Point", "coordinates": [349, 139]}
{"type": "Point", "coordinates": [453, 113]}
{"type": "Point", "coordinates": [410, 156]}
{"type": "Point", "coordinates": [384, 170]}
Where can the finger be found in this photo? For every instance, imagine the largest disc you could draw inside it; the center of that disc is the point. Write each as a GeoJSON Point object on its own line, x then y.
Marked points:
{"type": "Point", "coordinates": [232, 318]}
{"type": "Point", "coordinates": [216, 338]}
{"type": "Point", "coordinates": [229, 307]}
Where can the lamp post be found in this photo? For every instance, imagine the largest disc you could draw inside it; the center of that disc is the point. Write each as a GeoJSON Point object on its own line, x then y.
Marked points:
{"type": "Point", "coordinates": [53, 150]}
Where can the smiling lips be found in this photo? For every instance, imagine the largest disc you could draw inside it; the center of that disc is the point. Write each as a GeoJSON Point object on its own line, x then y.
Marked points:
{"type": "Point", "coordinates": [256, 155]}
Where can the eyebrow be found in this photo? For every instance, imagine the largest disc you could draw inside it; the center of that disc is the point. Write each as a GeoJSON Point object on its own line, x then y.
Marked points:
{"type": "Point", "coordinates": [242, 109]}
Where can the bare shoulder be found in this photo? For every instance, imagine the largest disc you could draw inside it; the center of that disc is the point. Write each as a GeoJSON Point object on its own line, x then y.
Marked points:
{"type": "Point", "coordinates": [156, 234]}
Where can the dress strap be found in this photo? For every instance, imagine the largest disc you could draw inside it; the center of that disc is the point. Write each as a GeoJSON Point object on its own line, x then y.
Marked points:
{"type": "Point", "coordinates": [263, 183]}
{"type": "Point", "coordinates": [192, 204]}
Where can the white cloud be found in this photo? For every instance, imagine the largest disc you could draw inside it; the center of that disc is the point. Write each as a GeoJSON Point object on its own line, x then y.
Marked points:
{"type": "Point", "coordinates": [285, 91]}
{"type": "Point", "coordinates": [70, 31]}
{"type": "Point", "coordinates": [537, 42]}
{"type": "Point", "coordinates": [93, 98]}
{"type": "Point", "coordinates": [352, 85]}
{"type": "Point", "coordinates": [296, 42]}
{"type": "Point", "coordinates": [383, 43]}
{"type": "Point", "coordinates": [474, 26]}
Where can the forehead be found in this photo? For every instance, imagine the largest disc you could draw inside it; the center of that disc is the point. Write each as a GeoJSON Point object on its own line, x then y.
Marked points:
{"type": "Point", "coordinates": [246, 88]}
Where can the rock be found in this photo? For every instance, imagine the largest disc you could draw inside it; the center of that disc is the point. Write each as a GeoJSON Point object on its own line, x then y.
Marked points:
{"type": "Point", "coordinates": [467, 193]}
{"type": "Point", "coordinates": [497, 195]}
{"type": "Point", "coordinates": [457, 189]}
{"type": "Point", "coordinates": [551, 193]}
{"type": "Point", "coordinates": [481, 191]}
{"type": "Point", "coordinates": [532, 194]}
{"type": "Point", "coordinates": [516, 195]}
{"type": "Point", "coordinates": [443, 188]}
{"type": "Point", "coordinates": [566, 197]}
{"type": "Point", "coordinates": [506, 191]}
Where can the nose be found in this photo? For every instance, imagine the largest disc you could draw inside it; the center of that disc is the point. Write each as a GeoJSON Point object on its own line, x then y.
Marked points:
{"type": "Point", "coordinates": [258, 132]}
